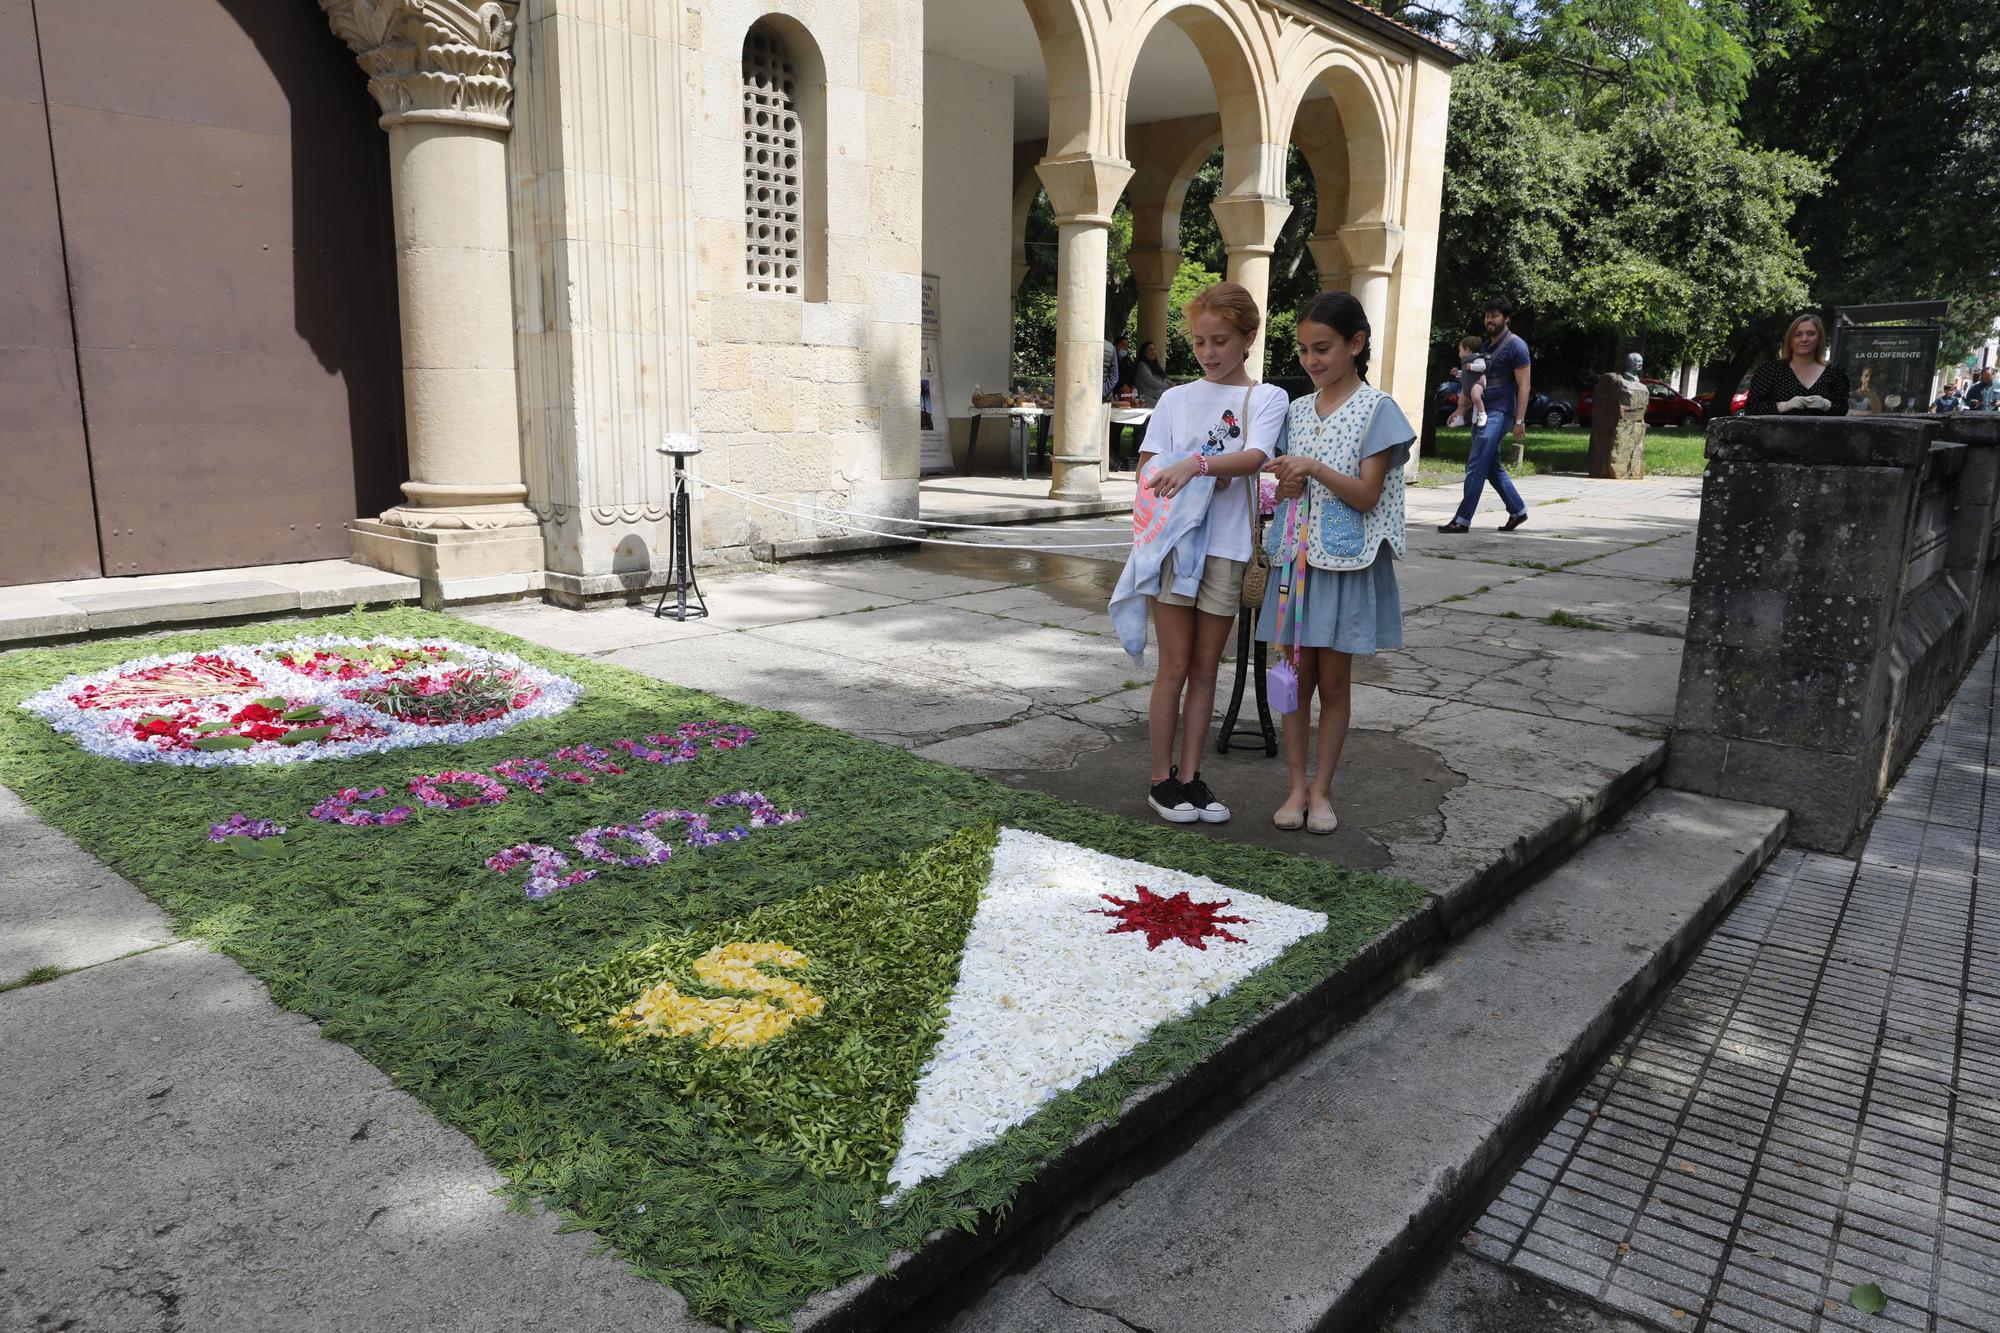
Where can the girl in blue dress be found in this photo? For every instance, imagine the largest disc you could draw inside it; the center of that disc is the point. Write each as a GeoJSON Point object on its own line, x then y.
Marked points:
{"type": "Point", "coordinates": [1341, 469]}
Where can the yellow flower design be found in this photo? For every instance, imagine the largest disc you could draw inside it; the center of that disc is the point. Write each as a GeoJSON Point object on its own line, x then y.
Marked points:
{"type": "Point", "coordinates": [664, 1010]}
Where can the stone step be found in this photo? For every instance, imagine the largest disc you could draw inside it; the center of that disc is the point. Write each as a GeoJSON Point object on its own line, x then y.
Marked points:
{"type": "Point", "coordinates": [79, 607]}
{"type": "Point", "coordinates": [1296, 1210]}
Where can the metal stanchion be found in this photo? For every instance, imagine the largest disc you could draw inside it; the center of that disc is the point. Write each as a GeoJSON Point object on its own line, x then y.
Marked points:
{"type": "Point", "coordinates": [680, 564]}
{"type": "Point", "coordinates": [1245, 662]}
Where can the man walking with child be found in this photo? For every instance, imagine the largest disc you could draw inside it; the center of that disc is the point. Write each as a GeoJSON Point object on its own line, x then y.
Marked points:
{"type": "Point", "coordinates": [1506, 404]}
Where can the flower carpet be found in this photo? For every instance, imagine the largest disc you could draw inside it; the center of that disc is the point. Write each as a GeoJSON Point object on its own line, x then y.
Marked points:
{"type": "Point", "coordinates": [760, 1003]}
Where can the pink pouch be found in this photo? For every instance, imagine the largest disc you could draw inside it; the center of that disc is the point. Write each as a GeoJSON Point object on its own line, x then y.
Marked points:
{"type": "Point", "coordinates": [1281, 687]}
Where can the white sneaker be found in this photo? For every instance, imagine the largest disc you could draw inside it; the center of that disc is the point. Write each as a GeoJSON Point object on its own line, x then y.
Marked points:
{"type": "Point", "coordinates": [1206, 807]}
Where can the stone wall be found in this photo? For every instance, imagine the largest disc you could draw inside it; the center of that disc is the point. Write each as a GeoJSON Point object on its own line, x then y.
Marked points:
{"type": "Point", "coordinates": [1844, 579]}
{"type": "Point", "coordinates": [811, 399]}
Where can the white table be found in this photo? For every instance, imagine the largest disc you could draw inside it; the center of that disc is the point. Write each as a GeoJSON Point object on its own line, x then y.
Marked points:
{"type": "Point", "coordinates": [1012, 416]}
{"type": "Point", "coordinates": [1119, 415]}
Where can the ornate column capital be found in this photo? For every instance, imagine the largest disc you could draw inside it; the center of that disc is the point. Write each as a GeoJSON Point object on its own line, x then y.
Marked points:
{"type": "Point", "coordinates": [1153, 268]}
{"type": "Point", "coordinates": [440, 62]}
{"type": "Point", "coordinates": [1372, 246]}
{"type": "Point", "coordinates": [1084, 189]}
{"type": "Point", "coordinates": [1250, 223]}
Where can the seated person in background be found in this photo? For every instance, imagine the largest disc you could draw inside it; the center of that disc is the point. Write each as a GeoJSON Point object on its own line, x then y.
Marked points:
{"type": "Point", "coordinates": [1471, 384]}
{"type": "Point", "coordinates": [1948, 401]}
{"type": "Point", "coordinates": [1149, 377]}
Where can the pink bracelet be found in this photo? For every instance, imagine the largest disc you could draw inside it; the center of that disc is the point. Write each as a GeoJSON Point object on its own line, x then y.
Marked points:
{"type": "Point", "coordinates": [1201, 464]}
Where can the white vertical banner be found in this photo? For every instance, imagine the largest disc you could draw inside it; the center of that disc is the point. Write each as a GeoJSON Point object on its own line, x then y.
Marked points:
{"type": "Point", "coordinates": [934, 404]}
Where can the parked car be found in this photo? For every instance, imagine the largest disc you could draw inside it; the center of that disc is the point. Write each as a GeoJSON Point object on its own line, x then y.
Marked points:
{"type": "Point", "coordinates": [1664, 406]}
{"type": "Point", "coordinates": [1542, 409]}
{"type": "Point", "coordinates": [1736, 401]}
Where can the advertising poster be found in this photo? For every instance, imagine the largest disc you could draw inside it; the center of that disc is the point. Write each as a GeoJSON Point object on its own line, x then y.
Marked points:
{"type": "Point", "coordinates": [1889, 368]}
{"type": "Point", "coordinates": [933, 404]}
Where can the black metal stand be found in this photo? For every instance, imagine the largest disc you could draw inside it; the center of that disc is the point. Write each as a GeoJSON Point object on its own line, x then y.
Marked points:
{"type": "Point", "coordinates": [1245, 624]}
{"type": "Point", "coordinates": [680, 564]}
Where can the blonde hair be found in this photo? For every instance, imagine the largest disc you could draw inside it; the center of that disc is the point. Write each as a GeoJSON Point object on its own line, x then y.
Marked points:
{"type": "Point", "coordinates": [1819, 325]}
{"type": "Point", "coordinates": [1229, 300]}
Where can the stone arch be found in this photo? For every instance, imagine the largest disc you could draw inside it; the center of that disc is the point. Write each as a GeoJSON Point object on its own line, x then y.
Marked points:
{"type": "Point", "coordinates": [1070, 48]}
{"type": "Point", "coordinates": [1229, 51]}
{"type": "Point", "coordinates": [1367, 118]}
{"type": "Point", "coordinates": [809, 106]}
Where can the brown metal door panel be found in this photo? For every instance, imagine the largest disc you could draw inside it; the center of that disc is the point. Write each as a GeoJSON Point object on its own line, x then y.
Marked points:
{"type": "Point", "coordinates": [47, 527]}
{"type": "Point", "coordinates": [225, 200]}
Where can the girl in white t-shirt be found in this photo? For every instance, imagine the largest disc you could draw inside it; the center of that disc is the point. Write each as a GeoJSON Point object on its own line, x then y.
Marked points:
{"type": "Point", "coordinates": [1226, 426]}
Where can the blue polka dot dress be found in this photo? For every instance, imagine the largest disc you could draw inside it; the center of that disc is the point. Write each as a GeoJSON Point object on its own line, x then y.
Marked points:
{"type": "Point", "coordinates": [1350, 610]}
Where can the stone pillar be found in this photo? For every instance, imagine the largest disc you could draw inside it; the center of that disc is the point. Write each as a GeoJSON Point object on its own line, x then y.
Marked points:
{"type": "Point", "coordinates": [1153, 273]}
{"type": "Point", "coordinates": [1330, 259]}
{"type": "Point", "coordinates": [1835, 587]}
{"type": "Point", "coordinates": [1372, 248]}
{"type": "Point", "coordinates": [1083, 190]}
{"type": "Point", "coordinates": [443, 76]}
{"type": "Point", "coordinates": [1249, 225]}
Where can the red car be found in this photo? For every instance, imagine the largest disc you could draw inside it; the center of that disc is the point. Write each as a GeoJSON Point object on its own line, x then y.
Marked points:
{"type": "Point", "coordinates": [1736, 401]}
{"type": "Point", "coordinates": [1664, 407]}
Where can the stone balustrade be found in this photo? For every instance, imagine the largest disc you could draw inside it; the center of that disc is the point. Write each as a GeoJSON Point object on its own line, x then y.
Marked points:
{"type": "Point", "coordinates": [1845, 577]}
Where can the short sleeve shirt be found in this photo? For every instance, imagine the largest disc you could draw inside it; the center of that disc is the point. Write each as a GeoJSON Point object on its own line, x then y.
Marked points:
{"type": "Point", "coordinates": [1503, 358]}
{"type": "Point", "coordinates": [1204, 417]}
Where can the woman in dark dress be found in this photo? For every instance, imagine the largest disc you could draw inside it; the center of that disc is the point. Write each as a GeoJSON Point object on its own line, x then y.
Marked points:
{"type": "Point", "coordinates": [1800, 382]}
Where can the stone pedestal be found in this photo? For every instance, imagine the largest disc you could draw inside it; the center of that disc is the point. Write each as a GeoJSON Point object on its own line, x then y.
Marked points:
{"type": "Point", "coordinates": [1618, 429]}
{"type": "Point", "coordinates": [1837, 577]}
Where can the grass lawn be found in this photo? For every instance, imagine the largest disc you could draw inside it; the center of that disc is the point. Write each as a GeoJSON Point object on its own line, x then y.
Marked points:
{"type": "Point", "coordinates": [1670, 452]}
{"type": "Point", "coordinates": [747, 1171]}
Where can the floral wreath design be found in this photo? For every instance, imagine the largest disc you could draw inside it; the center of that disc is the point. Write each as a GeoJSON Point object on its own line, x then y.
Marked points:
{"type": "Point", "coordinates": [297, 700]}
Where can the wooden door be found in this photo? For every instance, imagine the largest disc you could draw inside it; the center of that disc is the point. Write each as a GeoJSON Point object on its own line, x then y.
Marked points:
{"type": "Point", "coordinates": [225, 205]}
{"type": "Point", "coordinates": [48, 529]}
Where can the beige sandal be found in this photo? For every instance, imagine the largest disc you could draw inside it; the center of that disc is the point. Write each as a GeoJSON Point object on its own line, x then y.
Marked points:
{"type": "Point", "coordinates": [1288, 822]}
{"type": "Point", "coordinates": [1314, 824]}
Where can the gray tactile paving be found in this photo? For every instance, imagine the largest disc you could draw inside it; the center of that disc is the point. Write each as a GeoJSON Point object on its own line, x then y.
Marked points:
{"type": "Point", "coordinates": [1816, 1102]}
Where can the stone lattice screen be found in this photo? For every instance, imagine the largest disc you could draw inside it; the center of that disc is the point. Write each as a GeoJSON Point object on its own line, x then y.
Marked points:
{"type": "Point", "coordinates": [772, 187]}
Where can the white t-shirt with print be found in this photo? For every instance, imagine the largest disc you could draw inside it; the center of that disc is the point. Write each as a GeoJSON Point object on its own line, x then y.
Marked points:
{"type": "Point", "coordinates": [1202, 415]}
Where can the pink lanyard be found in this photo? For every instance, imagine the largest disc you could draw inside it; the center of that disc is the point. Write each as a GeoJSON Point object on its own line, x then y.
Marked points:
{"type": "Point", "coordinates": [1295, 574]}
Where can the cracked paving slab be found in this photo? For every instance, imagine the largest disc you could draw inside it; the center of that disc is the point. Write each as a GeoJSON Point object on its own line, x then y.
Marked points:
{"type": "Point", "coordinates": [882, 703]}
{"type": "Point", "coordinates": [204, 1160]}
{"type": "Point", "coordinates": [1626, 603]}
{"type": "Point", "coordinates": [585, 633]}
{"type": "Point", "coordinates": [1610, 678]}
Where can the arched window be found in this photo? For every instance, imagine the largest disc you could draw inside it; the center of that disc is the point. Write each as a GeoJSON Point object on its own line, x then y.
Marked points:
{"type": "Point", "coordinates": [783, 197]}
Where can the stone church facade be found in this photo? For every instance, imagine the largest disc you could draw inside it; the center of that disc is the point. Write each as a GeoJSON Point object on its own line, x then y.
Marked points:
{"type": "Point", "coordinates": [444, 324]}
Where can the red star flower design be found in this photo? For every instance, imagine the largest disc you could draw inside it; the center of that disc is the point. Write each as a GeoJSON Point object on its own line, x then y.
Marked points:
{"type": "Point", "coordinates": [1176, 918]}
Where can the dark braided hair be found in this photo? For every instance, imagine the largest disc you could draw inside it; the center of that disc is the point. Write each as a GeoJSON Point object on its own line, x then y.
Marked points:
{"type": "Point", "coordinates": [1343, 314]}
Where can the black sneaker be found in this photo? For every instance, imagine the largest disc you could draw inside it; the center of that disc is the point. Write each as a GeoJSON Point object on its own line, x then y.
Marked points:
{"type": "Point", "coordinates": [1170, 802]}
{"type": "Point", "coordinates": [1453, 526]}
{"type": "Point", "coordinates": [1206, 807]}
{"type": "Point", "coordinates": [1514, 521]}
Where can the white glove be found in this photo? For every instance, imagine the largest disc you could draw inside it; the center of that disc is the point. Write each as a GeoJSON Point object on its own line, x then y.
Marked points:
{"type": "Point", "coordinates": [1817, 403]}
{"type": "Point", "coordinates": [1791, 404]}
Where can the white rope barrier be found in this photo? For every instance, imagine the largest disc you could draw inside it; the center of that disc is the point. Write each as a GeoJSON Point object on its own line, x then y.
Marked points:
{"type": "Point", "coordinates": [782, 508]}
{"type": "Point", "coordinates": [1124, 528]}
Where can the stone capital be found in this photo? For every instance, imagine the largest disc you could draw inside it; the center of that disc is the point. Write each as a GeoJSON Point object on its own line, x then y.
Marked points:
{"type": "Point", "coordinates": [1250, 223]}
{"type": "Point", "coordinates": [1085, 188]}
{"type": "Point", "coordinates": [1329, 257]}
{"type": "Point", "coordinates": [1153, 268]}
{"type": "Point", "coordinates": [1372, 246]}
{"type": "Point", "coordinates": [442, 62]}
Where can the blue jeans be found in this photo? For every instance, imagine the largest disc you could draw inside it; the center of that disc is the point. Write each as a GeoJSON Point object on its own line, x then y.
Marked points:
{"type": "Point", "coordinates": [1484, 465]}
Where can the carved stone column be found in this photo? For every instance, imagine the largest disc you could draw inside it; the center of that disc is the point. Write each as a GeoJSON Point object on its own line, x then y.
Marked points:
{"type": "Point", "coordinates": [442, 72]}
{"type": "Point", "coordinates": [1083, 190]}
{"type": "Point", "coordinates": [1153, 272]}
{"type": "Point", "coordinates": [1249, 225]}
{"type": "Point", "coordinates": [1372, 248]}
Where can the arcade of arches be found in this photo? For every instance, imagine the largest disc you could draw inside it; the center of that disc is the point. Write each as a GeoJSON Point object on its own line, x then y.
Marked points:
{"type": "Point", "coordinates": [251, 327]}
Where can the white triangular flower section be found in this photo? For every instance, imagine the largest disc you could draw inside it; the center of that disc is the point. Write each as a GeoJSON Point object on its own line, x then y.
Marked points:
{"type": "Point", "coordinates": [1049, 995]}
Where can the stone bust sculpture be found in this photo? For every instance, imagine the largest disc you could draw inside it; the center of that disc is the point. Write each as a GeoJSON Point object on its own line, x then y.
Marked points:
{"type": "Point", "coordinates": [1635, 366]}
